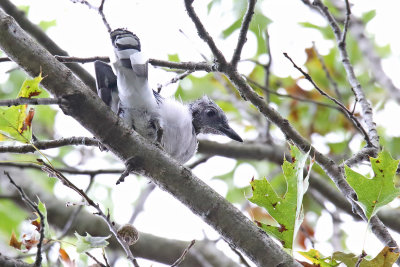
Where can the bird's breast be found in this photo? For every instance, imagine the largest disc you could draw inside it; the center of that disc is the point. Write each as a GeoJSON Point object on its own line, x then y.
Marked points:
{"type": "Point", "coordinates": [179, 139]}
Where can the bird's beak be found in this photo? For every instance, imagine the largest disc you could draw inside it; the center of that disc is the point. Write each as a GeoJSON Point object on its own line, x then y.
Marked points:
{"type": "Point", "coordinates": [228, 131]}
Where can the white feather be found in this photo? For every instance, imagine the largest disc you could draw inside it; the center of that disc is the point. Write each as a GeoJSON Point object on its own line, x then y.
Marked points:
{"type": "Point", "coordinates": [179, 139]}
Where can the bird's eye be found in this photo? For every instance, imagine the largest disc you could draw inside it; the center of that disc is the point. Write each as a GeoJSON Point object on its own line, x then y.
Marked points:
{"type": "Point", "coordinates": [210, 113]}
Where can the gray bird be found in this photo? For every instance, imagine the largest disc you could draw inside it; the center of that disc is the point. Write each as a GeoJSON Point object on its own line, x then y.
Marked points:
{"type": "Point", "coordinates": [167, 121]}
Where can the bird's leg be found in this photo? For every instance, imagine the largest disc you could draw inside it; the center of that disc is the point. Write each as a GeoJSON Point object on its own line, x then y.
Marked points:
{"type": "Point", "coordinates": [160, 132]}
{"type": "Point", "coordinates": [156, 127]}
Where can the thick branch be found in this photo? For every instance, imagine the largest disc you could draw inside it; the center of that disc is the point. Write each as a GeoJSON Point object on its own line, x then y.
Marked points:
{"type": "Point", "coordinates": [89, 110]}
{"type": "Point", "coordinates": [10, 262]}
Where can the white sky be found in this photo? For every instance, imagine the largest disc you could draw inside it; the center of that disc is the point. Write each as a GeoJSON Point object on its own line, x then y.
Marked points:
{"type": "Point", "coordinates": [157, 23]}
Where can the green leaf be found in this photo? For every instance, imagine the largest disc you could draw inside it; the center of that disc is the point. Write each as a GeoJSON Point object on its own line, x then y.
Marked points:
{"type": "Point", "coordinates": [88, 242]}
{"type": "Point", "coordinates": [315, 257]}
{"type": "Point", "coordinates": [375, 193]}
{"type": "Point", "coordinates": [25, 9]}
{"type": "Point", "coordinates": [286, 210]}
{"type": "Point", "coordinates": [46, 24]}
{"type": "Point", "coordinates": [368, 16]}
{"type": "Point", "coordinates": [326, 30]}
{"type": "Point", "coordinates": [43, 210]}
{"type": "Point", "coordinates": [173, 57]}
{"type": "Point", "coordinates": [386, 258]}
{"type": "Point", "coordinates": [30, 87]}
{"type": "Point", "coordinates": [258, 26]}
{"type": "Point", "coordinates": [228, 31]}
{"type": "Point", "coordinates": [13, 125]}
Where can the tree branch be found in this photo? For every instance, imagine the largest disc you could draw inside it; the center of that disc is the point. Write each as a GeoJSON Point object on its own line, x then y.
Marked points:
{"type": "Point", "coordinates": [182, 257]}
{"type": "Point", "coordinates": [88, 109]}
{"type": "Point", "coordinates": [327, 73]}
{"type": "Point", "coordinates": [10, 262]}
{"type": "Point", "coordinates": [32, 205]}
{"type": "Point", "coordinates": [344, 110]}
{"type": "Point", "coordinates": [243, 32]}
{"type": "Point", "coordinates": [265, 89]}
{"type": "Point", "coordinates": [67, 59]}
{"type": "Point", "coordinates": [56, 174]}
{"type": "Point", "coordinates": [366, 109]}
{"type": "Point", "coordinates": [29, 101]}
{"type": "Point", "coordinates": [42, 145]}
{"type": "Point", "coordinates": [203, 34]}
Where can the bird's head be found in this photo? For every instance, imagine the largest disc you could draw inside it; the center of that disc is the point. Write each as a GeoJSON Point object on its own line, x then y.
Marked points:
{"type": "Point", "coordinates": [124, 39]}
{"type": "Point", "coordinates": [208, 117]}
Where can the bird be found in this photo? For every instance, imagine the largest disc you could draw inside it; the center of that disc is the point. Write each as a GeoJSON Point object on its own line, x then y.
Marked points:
{"type": "Point", "coordinates": [165, 121]}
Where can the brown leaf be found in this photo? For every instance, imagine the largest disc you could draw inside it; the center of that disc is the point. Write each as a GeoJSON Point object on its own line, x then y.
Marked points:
{"type": "Point", "coordinates": [310, 54]}
{"type": "Point", "coordinates": [258, 214]}
{"type": "Point", "coordinates": [14, 242]}
{"type": "Point", "coordinates": [36, 223]}
{"type": "Point", "coordinates": [306, 231]}
{"type": "Point", "coordinates": [65, 258]}
{"type": "Point", "coordinates": [28, 120]}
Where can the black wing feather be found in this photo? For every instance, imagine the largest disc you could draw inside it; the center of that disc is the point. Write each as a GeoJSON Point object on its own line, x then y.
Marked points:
{"type": "Point", "coordinates": [106, 81]}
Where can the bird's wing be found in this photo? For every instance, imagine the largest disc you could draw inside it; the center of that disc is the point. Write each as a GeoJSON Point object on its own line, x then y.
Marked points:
{"type": "Point", "coordinates": [106, 82]}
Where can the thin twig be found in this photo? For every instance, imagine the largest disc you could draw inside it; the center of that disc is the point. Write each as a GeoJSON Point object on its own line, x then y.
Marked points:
{"type": "Point", "coordinates": [41, 145]}
{"type": "Point", "coordinates": [366, 108]}
{"type": "Point", "coordinates": [64, 170]}
{"type": "Point", "coordinates": [30, 101]}
{"type": "Point", "coordinates": [241, 258]}
{"type": "Point", "coordinates": [360, 258]}
{"type": "Point", "coordinates": [203, 34]}
{"type": "Point", "coordinates": [98, 9]}
{"type": "Point", "coordinates": [193, 66]}
{"type": "Point", "coordinates": [65, 59]}
{"type": "Point", "coordinates": [344, 110]}
{"type": "Point", "coordinates": [327, 73]}
{"type": "Point", "coordinates": [38, 261]}
{"type": "Point", "coordinates": [182, 257]}
{"type": "Point", "coordinates": [346, 22]}
{"type": "Point", "coordinates": [96, 260]}
{"type": "Point", "coordinates": [267, 68]}
{"type": "Point", "coordinates": [139, 204]}
{"type": "Point", "coordinates": [74, 215]}
{"type": "Point", "coordinates": [243, 32]}
{"type": "Point", "coordinates": [105, 258]}
{"type": "Point", "coordinates": [5, 59]}
{"type": "Point", "coordinates": [103, 17]}
{"type": "Point", "coordinates": [198, 162]}
{"type": "Point", "coordinates": [174, 80]}
{"type": "Point", "coordinates": [55, 173]}
{"type": "Point", "coordinates": [292, 96]}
